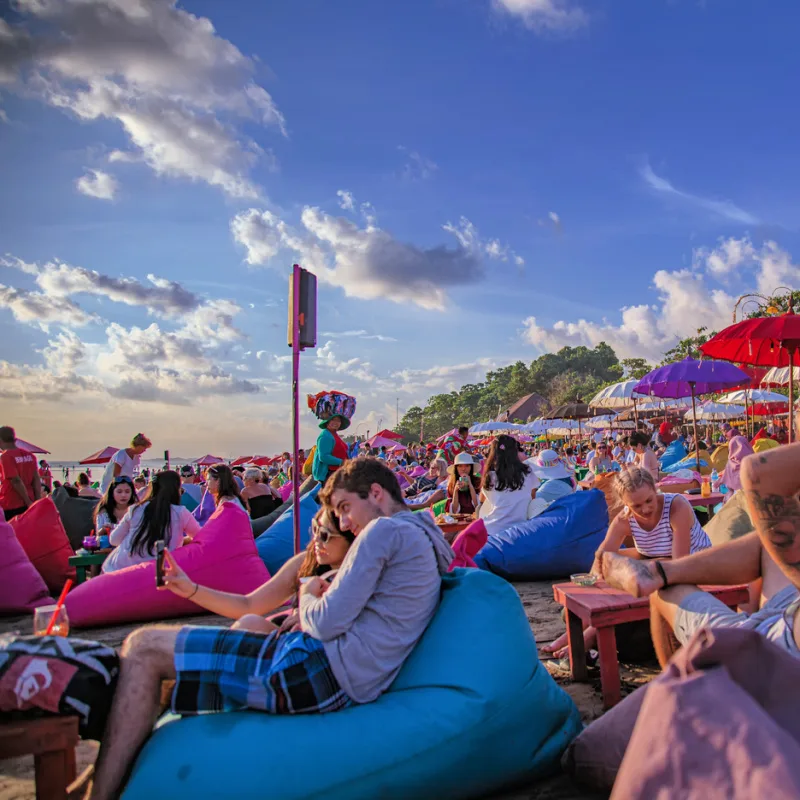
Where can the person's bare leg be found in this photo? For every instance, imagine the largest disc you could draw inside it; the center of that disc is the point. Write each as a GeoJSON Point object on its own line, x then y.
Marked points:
{"type": "Point", "coordinates": [558, 647]}
{"type": "Point", "coordinates": [254, 623]}
{"type": "Point", "coordinates": [738, 561]}
{"type": "Point", "coordinates": [663, 606]}
{"type": "Point", "coordinates": [146, 659]}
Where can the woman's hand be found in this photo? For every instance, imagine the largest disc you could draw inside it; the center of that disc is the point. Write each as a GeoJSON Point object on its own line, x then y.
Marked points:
{"type": "Point", "coordinates": [175, 579]}
{"type": "Point", "coordinates": [597, 566]}
{"type": "Point", "coordinates": [316, 587]}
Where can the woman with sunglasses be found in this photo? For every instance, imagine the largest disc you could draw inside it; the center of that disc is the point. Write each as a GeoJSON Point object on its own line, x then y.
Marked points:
{"type": "Point", "coordinates": [601, 462]}
{"type": "Point", "coordinates": [114, 504]}
{"type": "Point", "coordinates": [325, 553]}
{"type": "Point", "coordinates": [159, 517]}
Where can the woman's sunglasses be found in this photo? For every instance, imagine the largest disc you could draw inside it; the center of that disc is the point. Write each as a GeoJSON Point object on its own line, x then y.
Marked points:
{"type": "Point", "coordinates": [126, 481]}
{"type": "Point", "coordinates": [323, 535]}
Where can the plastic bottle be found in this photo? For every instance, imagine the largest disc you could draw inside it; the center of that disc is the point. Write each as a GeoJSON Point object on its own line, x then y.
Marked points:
{"type": "Point", "coordinates": [714, 480]}
{"type": "Point", "coordinates": [705, 487]}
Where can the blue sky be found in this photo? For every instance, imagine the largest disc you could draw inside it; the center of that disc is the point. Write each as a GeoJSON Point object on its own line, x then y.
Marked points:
{"type": "Point", "coordinates": [473, 181]}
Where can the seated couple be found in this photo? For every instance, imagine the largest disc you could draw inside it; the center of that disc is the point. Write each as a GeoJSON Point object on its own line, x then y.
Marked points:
{"type": "Point", "coordinates": [354, 633]}
{"type": "Point", "coordinates": [768, 558]}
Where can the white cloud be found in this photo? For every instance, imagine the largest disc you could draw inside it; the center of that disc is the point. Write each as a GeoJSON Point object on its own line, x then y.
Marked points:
{"type": "Point", "coordinates": [99, 184]}
{"type": "Point", "coordinates": [468, 237]}
{"type": "Point", "coordinates": [417, 167]}
{"type": "Point", "coordinates": [60, 281]}
{"type": "Point", "coordinates": [366, 262]}
{"type": "Point", "coordinates": [352, 367]}
{"type": "Point", "coordinates": [162, 73]}
{"type": "Point", "coordinates": [123, 157]}
{"type": "Point", "coordinates": [64, 354]}
{"type": "Point", "coordinates": [346, 200]}
{"type": "Point", "coordinates": [359, 335]}
{"type": "Point", "coordinates": [448, 377]}
{"type": "Point", "coordinates": [722, 208]}
{"type": "Point", "coordinates": [43, 310]}
{"type": "Point", "coordinates": [543, 15]}
{"type": "Point", "coordinates": [686, 300]}
{"type": "Point", "coordinates": [32, 384]}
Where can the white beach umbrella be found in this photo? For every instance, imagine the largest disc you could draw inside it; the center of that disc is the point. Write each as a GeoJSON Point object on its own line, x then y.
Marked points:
{"type": "Point", "coordinates": [745, 396]}
{"type": "Point", "coordinates": [618, 395]}
{"type": "Point", "coordinates": [779, 376]}
{"type": "Point", "coordinates": [719, 411]}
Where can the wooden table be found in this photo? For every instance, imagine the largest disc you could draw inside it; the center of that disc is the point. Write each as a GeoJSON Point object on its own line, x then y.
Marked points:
{"type": "Point", "coordinates": [450, 530]}
{"type": "Point", "coordinates": [604, 607]}
{"type": "Point", "coordinates": [52, 742]}
{"type": "Point", "coordinates": [88, 562]}
{"type": "Point", "coordinates": [710, 501]}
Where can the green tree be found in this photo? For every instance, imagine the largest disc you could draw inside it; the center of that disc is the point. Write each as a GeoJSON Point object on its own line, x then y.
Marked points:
{"type": "Point", "coordinates": [688, 347]}
{"type": "Point", "coordinates": [635, 368]}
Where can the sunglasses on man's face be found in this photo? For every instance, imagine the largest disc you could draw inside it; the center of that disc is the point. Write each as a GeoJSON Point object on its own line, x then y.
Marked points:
{"type": "Point", "coordinates": [324, 535]}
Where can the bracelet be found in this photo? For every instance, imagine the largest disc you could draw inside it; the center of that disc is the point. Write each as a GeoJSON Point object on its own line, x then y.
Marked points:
{"type": "Point", "coordinates": [196, 587]}
{"type": "Point", "coordinates": [660, 568]}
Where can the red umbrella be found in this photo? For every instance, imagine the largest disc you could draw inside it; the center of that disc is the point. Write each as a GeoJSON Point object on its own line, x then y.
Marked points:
{"type": "Point", "coordinates": [208, 460]}
{"type": "Point", "coordinates": [265, 461]}
{"type": "Point", "coordinates": [761, 342]}
{"type": "Point", "coordinates": [31, 448]}
{"type": "Point", "coordinates": [101, 456]}
{"type": "Point", "coordinates": [245, 460]}
{"type": "Point", "coordinates": [379, 441]}
{"type": "Point", "coordinates": [389, 434]}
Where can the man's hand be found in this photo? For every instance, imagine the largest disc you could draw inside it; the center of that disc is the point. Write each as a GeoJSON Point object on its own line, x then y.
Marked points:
{"type": "Point", "coordinates": [316, 587]}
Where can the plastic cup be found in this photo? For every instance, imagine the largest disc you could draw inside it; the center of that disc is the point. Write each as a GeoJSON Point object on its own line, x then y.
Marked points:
{"type": "Point", "coordinates": [42, 617]}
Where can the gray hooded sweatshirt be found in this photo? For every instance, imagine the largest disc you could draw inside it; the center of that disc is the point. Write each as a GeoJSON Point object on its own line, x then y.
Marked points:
{"type": "Point", "coordinates": [380, 602]}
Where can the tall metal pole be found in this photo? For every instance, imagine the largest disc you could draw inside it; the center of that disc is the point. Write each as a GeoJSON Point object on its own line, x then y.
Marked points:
{"type": "Point", "coordinates": [296, 403]}
{"type": "Point", "coordinates": [792, 349]}
{"type": "Point", "coordinates": [694, 423]}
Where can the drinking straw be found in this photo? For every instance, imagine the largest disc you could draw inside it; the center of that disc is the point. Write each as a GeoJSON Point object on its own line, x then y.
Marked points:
{"type": "Point", "coordinates": [61, 599]}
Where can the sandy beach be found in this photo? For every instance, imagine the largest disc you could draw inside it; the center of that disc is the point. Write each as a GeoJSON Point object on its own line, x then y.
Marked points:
{"type": "Point", "coordinates": [544, 615]}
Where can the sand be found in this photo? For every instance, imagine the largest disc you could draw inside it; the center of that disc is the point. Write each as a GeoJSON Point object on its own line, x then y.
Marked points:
{"type": "Point", "coordinates": [544, 615]}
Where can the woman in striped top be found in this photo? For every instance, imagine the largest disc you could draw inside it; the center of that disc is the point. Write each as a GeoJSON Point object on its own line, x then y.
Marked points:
{"type": "Point", "coordinates": [662, 526]}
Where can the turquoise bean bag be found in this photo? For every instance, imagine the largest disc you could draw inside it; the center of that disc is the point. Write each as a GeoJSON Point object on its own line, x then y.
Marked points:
{"type": "Point", "coordinates": [276, 544]}
{"type": "Point", "coordinates": [472, 709]}
{"type": "Point", "coordinates": [674, 453]}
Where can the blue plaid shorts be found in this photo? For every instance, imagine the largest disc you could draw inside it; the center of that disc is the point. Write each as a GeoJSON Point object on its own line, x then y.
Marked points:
{"type": "Point", "coordinates": [219, 669]}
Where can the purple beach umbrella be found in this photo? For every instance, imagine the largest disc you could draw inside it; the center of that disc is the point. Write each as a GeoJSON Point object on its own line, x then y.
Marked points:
{"type": "Point", "coordinates": [691, 377]}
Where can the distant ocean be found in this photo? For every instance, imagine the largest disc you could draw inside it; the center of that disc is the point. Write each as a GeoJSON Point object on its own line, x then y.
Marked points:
{"type": "Point", "coordinates": [97, 469]}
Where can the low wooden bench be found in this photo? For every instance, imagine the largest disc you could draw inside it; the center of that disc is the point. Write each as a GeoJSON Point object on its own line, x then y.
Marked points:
{"type": "Point", "coordinates": [51, 742]}
{"type": "Point", "coordinates": [604, 607]}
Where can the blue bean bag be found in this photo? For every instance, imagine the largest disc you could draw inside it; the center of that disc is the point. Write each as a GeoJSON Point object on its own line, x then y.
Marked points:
{"type": "Point", "coordinates": [559, 542]}
{"type": "Point", "coordinates": [674, 453]}
{"type": "Point", "coordinates": [690, 462]}
{"type": "Point", "coordinates": [471, 710]}
{"type": "Point", "coordinates": [276, 544]}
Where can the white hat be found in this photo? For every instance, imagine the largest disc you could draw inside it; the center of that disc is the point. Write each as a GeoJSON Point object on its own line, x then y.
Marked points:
{"type": "Point", "coordinates": [461, 458]}
{"type": "Point", "coordinates": [549, 466]}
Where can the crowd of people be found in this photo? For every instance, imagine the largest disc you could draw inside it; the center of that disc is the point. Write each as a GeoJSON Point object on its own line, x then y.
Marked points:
{"type": "Point", "coordinates": [362, 593]}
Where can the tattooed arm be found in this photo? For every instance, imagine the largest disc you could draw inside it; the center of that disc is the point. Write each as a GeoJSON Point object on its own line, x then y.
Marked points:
{"type": "Point", "coordinates": [771, 482]}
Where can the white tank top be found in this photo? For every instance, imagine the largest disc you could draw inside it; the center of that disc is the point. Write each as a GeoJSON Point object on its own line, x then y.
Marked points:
{"type": "Point", "coordinates": [657, 543]}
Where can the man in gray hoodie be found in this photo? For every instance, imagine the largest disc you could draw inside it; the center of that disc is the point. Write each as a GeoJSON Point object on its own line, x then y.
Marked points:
{"type": "Point", "coordinates": [357, 630]}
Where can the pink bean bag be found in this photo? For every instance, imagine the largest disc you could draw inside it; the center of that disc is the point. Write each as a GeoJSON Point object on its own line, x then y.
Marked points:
{"type": "Point", "coordinates": [21, 588]}
{"type": "Point", "coordinates": [285, 491]}
{"type": "Point", "coordinates": [468, 543]}
{"type": "Point", "coordinates": [43, 538]}
{"type": "Point", "coordinates": [223, 556]}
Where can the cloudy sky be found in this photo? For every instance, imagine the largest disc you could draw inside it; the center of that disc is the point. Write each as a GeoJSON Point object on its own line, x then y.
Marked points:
{"type": "Point", "coordinates": [473, 182]}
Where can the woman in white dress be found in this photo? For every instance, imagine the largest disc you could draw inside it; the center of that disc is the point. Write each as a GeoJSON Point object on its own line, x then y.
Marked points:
{"type": "Point", "coordinates": [508, 486]}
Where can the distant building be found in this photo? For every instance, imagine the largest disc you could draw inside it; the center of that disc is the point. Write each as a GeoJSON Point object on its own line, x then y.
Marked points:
{"type": "Point", "coordinates": [526, 408]}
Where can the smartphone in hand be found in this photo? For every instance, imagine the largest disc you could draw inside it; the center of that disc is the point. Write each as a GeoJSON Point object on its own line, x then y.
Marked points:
{"type": "Point", "coordinates": [160, 563]}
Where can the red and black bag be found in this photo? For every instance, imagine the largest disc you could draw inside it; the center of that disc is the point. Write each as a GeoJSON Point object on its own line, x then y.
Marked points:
{"type": "Point", "coordinates": [52, 675]}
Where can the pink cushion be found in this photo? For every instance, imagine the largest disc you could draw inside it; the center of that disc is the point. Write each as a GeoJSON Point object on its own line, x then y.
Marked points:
{"type": "Point", "coordinates": [468, 543]}
{"type": "Point", "coordinates": [285, 491]}
{"type": "Point", "coordinates": [223, 556]}
{"type": "Point", "coordinates": [22, 587]}
{"type": "Point", "coordinates": [42, 536]}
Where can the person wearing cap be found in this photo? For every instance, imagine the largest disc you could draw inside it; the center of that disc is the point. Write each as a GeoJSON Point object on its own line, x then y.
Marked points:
{"type": "Point", "coordinates": [125, 461]}
{"type": "Point", "coordinates": [463, 486]}
{"type": "Point", "coordinates": [549, 467]}
{"type": "Point", "coordinates": [189, 487]}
